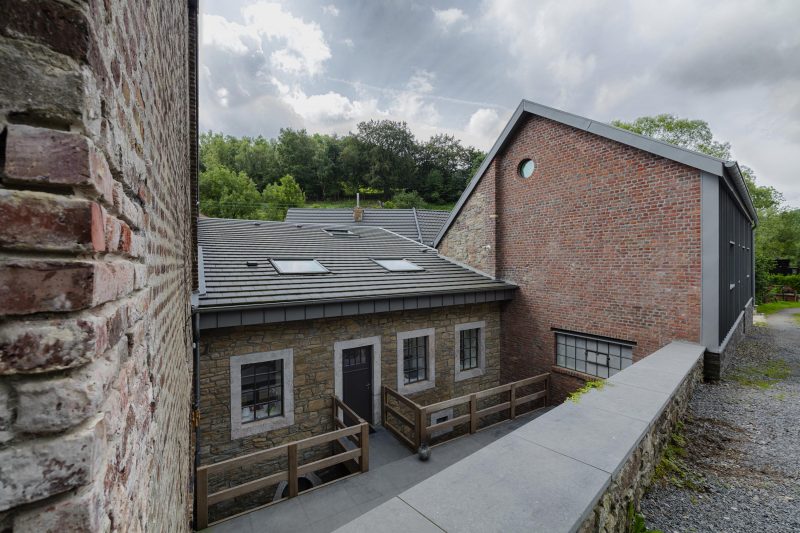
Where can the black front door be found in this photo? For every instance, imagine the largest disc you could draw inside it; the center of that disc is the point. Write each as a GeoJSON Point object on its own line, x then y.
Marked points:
{"type": "Point", "coordinates": [357, 381]}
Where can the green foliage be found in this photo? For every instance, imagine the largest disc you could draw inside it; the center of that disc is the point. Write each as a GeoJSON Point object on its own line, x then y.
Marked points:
{"type": "Point", "coordinates": [381, 157]}
{"type": "Point", "coordinates": [228, 194]}
{"type": "Point", "coordinates": [786, 280]}
{"type": "Point", "coordinates": [636, 523]}
{"type": "Point", "coordinates": [762, 376]}
{"type": "Point", "coordinates": [692, 134]}
{"type": "Point", "coordinates": [407, 200]}
{"type": "Point", "coordinates": [576, 395]}
{"type": "Point", "coordinates": [773, 307]}
{"type": "Point", "coordinates": [280, 196]}
{"type": "Point", "coordinates": [672, 467]}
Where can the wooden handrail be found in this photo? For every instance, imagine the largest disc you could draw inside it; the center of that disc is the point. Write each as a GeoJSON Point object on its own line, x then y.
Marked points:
{"type": "Point", "coordinates": [419, 425]}
{"type": "Point", "coordinates": [294, 469]}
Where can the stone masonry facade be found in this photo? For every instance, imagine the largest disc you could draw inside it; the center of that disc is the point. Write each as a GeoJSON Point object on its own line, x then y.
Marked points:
{"type": "Point", "coordinates": [96, 135]}
{"type": "Point", "coordinates": [313, 342]}
{"type": "Point", "coordinates": [602, 239]}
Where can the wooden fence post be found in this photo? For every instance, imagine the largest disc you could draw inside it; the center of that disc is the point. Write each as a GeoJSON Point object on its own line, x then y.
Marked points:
{"type": "Point", "coordinates": [292, 449]}
{"type": "Point", "coordinates": [201, 487]}
{"type": "Point", "coordinates": [513, 401]}
{"type": "Point", "coordinates": [364, 442]}
{"type": "Point", "coordinates": [421, 423]}
{"type": "Point", "coordinates": [473, 413]}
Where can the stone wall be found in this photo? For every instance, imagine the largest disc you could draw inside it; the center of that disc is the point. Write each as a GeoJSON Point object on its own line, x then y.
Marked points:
{"type": "Point", "coordinates": [579, 467]}
{"type": "Point", "coordinates": [312, 342]}
{"type": "Point", "coordinates": [95, 265]}
{"type": "Point", "coordinates": [602, 239]}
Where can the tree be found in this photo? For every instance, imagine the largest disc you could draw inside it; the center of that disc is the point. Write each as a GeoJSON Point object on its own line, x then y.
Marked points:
{"type": "Point", "coordinates": [390, 148]}
{"type": "Point", "coordinates": [692, 134]}
{"type": "Point", "coordinates": [228, 194]}
{"type": "Point", "coordinates": [279, 197]}
{"type": "Point", "coordinates": [407, 200]}
{"type": "Point", "coordinates": [296, 152]}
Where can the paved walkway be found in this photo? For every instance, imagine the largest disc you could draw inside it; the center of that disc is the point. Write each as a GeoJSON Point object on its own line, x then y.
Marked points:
{"type": "Point", "coordinates": [393, 469]}
{"type": "Point", "coordinates": [741, 472]}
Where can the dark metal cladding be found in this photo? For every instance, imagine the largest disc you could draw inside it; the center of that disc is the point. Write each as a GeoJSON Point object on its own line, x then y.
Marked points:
{"type": "Point", "coordinates": [736, 262]}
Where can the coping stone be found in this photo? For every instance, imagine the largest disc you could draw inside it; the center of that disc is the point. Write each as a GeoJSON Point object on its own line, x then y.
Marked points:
{"type": "Point", "coordinates": [599, 438]}
{"type": "Point", "coordinates": [642, 404]}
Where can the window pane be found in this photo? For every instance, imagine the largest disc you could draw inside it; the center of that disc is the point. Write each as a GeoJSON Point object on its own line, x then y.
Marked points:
{"type": "Point", "coordinates": [595, 357]}
{"type": "Point", "coordinates": [398, 265]}
{"type": "Point", "coordinates": [470, 342]}
{"type": "Point", "coordinates": [415, 359]}
{"type": "Point", "coordinates": [262, 390]}
{"type": "Point", "coordinates": [298, 266]}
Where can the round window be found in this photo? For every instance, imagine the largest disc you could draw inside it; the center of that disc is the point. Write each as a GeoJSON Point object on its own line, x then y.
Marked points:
{"type": "Point", "coordinates": [526, 168]}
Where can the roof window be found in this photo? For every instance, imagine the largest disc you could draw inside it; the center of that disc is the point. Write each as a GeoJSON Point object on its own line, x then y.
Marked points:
{"type": "Point", "coordinates": [398, 265]}
{"type": "Point", "coordinates": [339, 232]}
{"type": "Point", "coordinates": [298, 266]}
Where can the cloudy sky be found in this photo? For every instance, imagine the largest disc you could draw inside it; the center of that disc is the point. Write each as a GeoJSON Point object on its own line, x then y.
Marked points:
{"type": "Point", "coordinates": [462, 67]}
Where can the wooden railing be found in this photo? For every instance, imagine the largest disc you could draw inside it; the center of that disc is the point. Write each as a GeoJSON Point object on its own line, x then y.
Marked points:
{"type": "Point", "coordinates": [357, 433]}
{"type": "Point", "coordinates": [417, 426]}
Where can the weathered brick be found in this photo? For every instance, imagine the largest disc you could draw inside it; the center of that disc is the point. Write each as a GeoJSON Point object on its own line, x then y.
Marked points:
{"type": "Point", "coordinates": [81, 511]}
{"type": "Point", "coordinates": [35, 470]}
{"type": "Point", "coordinates": [46, 286]}
{"type": "Point", "coordinates": [36, 84]}
{"type": "Point", "coordinates": [30, 346]}
{"type": "Point", "coordinates": [6, 414]}
{"type": "Point", "coordinates": [50, 157]}
{"type": "Point", "coordinates": [37, 220]}
{"type": "Point", "coordinates": [49, 405]}
{"type": "Point", "coordinates": [128, 210]}
{"type": "Point", "coordinates": [55, 24]}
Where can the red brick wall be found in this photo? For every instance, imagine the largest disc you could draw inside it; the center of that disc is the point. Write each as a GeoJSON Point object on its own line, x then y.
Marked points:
{"type": "Point", "coordinates": [95, 266]}
{"type": "Point", "coordinates": [602, 239]}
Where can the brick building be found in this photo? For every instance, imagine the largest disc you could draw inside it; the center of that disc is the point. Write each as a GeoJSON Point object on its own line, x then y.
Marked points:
{"type": "Point", "coordinates": [97, 168]}
{"type": "Point", "coordinates": [619, 244]}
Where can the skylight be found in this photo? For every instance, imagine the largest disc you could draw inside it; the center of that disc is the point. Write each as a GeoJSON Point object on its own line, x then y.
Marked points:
{"type": "Point", "coordinates": [398, 265]}
{"type": "Point", "coordinates": [298, 266]}
{"type": "Point", "coordinates": [340, 232]}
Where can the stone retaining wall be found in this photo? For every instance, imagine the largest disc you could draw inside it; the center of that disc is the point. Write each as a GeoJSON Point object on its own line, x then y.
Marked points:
{"type": "Point", "coordinates": [578, 467]}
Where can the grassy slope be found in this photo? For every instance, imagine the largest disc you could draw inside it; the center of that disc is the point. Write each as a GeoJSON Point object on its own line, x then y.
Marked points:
{"type": "Point", "coordinates": [774, 307]}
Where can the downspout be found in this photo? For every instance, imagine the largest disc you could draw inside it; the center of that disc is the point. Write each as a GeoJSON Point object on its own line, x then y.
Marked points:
{"type": "Point", "coordinates": [196, 395]}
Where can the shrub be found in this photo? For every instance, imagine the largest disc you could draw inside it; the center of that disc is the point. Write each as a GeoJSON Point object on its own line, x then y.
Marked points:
{"type": "Point", "coordinates": [280, 196]}
{"type": "Point", "coordinates": [786, 280]}
{"type": "Point", "coordinates": [407, 200]}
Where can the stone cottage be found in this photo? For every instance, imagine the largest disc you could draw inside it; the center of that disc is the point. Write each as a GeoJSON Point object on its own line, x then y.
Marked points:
{"type": "Point", "coordinates": [291, 314]}
{"type": "Point", "coordinates": [618, 243]}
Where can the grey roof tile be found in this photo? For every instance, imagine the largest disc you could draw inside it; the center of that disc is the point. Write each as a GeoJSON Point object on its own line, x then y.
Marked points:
{"type": "Point", "coordinates": [227, 246]}
{"type": "Point", "coordinates": [406, 222]}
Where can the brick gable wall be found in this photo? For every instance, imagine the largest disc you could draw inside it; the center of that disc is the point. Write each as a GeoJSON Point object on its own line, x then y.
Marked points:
{"type": "Point", "coordinates": [95, 266]}
{"type": "Point", "coordinates": [602, 239]}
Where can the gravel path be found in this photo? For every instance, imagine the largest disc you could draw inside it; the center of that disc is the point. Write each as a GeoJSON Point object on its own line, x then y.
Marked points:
{"type": "Point", "coordinates": [743, 443]}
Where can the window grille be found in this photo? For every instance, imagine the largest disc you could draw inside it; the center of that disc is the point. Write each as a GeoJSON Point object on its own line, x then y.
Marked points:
{"type": "Point", "coordinates": [415, 359]}
{"type": "Point", "coordinates": [262, 390]}
{"type": "Point", "coordinates": [592, 355]}
{"type": "Point", "coordinates": [470, 348]}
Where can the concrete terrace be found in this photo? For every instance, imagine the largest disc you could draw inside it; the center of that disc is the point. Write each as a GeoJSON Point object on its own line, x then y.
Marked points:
{"type": "Point", "coordinates": [393, 470]}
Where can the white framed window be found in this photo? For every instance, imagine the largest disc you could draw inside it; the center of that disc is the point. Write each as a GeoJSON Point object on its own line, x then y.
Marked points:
{"type": "Point", "coordinates": [597, 356]}
{"type": "Point", "coordinates": [470, 343]}
{"type": "Point", "coordinates": [416, 360]}
{"type": "Point", "coordinates": [262, 392]}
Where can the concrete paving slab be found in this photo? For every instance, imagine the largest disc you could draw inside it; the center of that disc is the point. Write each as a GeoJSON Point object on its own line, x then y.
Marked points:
{"type": "Point", "coordinates": [326, 502]}
{"type": "Point", "coordinates": [623, 399]}
{"type": "Point", "coordinates": [394, 516]}
{"type": "Point", "coordinates": [510, 485]}
{"type": "Point", "coordinates": [599, 438]}
{"type": "Point", "coordinates": [291, 517]}
{"type": "Point", "coordinates": [648, 378]}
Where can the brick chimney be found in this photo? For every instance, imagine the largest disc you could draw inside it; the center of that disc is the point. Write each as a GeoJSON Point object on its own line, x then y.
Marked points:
{"type": "Point", "coordinates": [358, 213]}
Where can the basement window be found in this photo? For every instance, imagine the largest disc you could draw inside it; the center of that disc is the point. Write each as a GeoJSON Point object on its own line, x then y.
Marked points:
{"type": "Point", "coordinates": [398, 265]}
{"type": "Point", "coordinates": [597, 356]}
{"type": "Point", "coordinates": [298, 266]}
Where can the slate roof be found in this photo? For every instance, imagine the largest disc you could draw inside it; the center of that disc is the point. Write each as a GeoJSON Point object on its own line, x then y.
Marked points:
{"type": "Point", "coordinates": [421, 225]}
{"type": "Point", "coordinates": [706, 163]}
{"type": "Point", "coordinates": [228, 282]}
